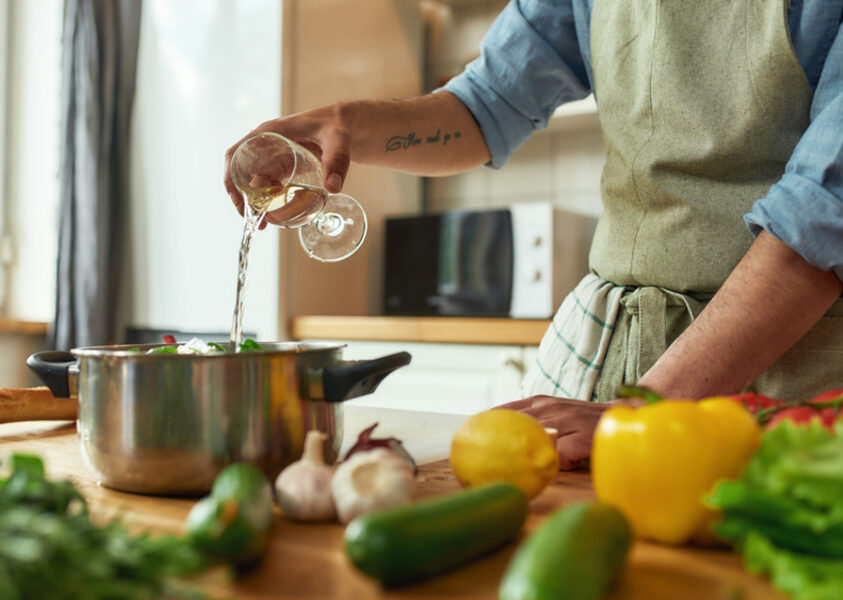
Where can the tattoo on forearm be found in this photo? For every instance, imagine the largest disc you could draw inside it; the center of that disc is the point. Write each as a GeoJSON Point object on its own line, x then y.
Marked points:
{"type": "Point", "coordinates": [402, 142]}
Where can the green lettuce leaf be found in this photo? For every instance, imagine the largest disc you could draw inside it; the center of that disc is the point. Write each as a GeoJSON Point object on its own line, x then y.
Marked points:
{"type": "Point", "coordinates": [802, 576]}
{"type": "Point", "coordinates": [785, 513]}
{"type": "Point", "coordinates": [804, 462]}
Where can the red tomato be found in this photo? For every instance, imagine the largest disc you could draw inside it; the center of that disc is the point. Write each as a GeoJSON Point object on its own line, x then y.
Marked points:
{"type": "Point", "coordinates": [829, 414]}
{"type": "Point", "coordinates": [805, 413]}
{"type": "Point", "coordinates": [800, 415]}
{"type": "Point", "coordinates": [755, 402]}
{"type": "Point", "coordinates": [828, 396]}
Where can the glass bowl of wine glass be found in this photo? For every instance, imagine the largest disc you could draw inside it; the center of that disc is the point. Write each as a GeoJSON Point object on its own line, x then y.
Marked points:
{"type": "Point", "coordinates": [281, 183]}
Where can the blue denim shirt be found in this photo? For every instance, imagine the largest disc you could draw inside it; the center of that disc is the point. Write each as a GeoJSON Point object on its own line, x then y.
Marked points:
{"type": "Point", "coordinates": [536, 56]}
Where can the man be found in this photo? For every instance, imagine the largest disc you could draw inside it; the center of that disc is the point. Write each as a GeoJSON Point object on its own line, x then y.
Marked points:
{"type": "Point", "coordinates": [716, 115]}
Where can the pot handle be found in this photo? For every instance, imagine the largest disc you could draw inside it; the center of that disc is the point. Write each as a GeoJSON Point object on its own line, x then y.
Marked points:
{"type": "Point", "coordinates": [57, 369]}
{"type": "Point", "coordinates": [353, 378]}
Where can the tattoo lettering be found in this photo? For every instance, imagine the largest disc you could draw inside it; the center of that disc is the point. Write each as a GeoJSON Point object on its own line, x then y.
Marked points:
{"type": "Point", "coordinates": [396, 142]}
{"type": "Point", "coordinates": [448, 137]}
{"type": "Point", "coordinates": [399, 142]}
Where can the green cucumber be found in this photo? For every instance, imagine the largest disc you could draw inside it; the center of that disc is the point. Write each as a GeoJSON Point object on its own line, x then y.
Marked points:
{"type": "Point", "coordinates": [413, 542]}
{"type": "Point", "coordinates": [576, 554]}
{"type": "Point", "coordinates": [232, 523]}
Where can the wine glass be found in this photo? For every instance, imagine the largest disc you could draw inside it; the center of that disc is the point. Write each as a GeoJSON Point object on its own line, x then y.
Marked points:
{"type": "Point", "coordinates": [283, 181]}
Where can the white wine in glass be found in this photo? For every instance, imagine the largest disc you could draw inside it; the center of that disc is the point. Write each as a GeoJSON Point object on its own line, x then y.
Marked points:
{"type": "Point", "coordinates": [282, 181]}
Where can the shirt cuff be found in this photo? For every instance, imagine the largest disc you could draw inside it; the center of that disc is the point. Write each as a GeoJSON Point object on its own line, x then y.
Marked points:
{"type": "Point", "coordinates": [505, 121]}
{"type": "Point", "coordinates": [805, 216]}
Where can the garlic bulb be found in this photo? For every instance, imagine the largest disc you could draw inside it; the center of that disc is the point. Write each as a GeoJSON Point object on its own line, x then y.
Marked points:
{"type": "Point", "coordinates": [370, 480]}
{"type": "Point", "coordinates": [304, 487]}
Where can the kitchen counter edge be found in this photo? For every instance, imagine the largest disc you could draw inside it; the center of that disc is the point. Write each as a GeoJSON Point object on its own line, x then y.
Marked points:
{"type": "Point", "coordinates": [455, 330]}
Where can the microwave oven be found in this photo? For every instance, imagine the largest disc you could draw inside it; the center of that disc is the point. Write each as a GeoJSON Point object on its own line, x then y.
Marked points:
{"type": "Point", "coordinates": [518, 261]}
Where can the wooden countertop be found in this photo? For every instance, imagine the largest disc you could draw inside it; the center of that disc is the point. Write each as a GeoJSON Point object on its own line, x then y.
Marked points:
{"type": "Point", "coordinates": [17, 326]}
{"type": "Point", "coordinates": [307, 560]}
{"type": "Point", "coordinates": [459, 330]}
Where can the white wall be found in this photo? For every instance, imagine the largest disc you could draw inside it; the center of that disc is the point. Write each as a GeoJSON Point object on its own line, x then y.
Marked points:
{"type": "Point", "coordinates": [32, 142]}
{"type": "Point", "coordinates": [561, 165]}
{"type": "Point", "coordinates": [208, 72]}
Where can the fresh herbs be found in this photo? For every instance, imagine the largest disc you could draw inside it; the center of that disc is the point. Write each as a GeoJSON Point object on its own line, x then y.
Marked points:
{"type": "Point", "coordinates": [164, 350]}
{"type": "Point", "coordinates": [249, 345]}
{"type": "Point", "coordinates": [51, 548]}
{"type": "Point", "coordinates": [786, 510]}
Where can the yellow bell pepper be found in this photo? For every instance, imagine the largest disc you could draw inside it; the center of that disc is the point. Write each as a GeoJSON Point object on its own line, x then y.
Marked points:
{"type": "Point", "coordinates": [657, 463]}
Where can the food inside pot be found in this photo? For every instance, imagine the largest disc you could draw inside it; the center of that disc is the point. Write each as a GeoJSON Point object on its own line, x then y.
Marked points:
{"type": "Point", "coordinates": [199, 346]}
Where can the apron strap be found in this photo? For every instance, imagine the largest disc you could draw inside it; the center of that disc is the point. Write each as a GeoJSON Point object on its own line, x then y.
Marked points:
{"type": "Point", "coordinates": [650, 319]}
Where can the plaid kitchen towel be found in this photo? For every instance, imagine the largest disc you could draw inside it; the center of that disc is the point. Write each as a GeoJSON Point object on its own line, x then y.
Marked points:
{"type": "Point", "coordinates": [572, 351]}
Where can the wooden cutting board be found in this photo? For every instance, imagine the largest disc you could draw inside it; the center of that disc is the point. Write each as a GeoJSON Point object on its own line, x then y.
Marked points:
{"type": "Point", "coordinates": [307, 560]}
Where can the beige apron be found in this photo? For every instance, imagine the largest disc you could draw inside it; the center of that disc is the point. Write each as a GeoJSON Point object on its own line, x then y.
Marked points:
{"type": "Point", "coordinates": [701, 104]}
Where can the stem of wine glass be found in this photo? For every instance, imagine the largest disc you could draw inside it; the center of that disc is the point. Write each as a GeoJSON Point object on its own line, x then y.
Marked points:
{"type": "Point", "coordinates": [331, 224]}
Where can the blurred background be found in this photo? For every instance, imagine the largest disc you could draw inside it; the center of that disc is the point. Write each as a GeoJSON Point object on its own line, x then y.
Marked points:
{"type": "Point", "coordinates": [115, 117]}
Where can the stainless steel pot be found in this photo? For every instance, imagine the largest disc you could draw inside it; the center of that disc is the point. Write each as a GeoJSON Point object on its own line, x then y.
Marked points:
{"type": "Point", "coordinates": [168, 423]}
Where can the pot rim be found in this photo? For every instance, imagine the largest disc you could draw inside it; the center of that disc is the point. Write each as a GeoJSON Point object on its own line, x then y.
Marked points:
{"type": "Point", "coordinates": [139, 351]}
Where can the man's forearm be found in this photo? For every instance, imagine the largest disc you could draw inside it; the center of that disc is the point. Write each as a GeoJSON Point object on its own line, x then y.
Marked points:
{"type": "Point", "coordinates": [429, 135]}
{"type": "Point", "coordinates": [771, 299]}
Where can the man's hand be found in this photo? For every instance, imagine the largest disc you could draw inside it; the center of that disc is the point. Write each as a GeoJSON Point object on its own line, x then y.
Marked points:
{"type": "Point", "coordinates": [322, 131]}
{"type": "Point", "coordinates": [573, 420]}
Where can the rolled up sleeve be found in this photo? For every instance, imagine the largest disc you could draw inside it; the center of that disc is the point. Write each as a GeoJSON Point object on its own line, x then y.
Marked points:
{"type": "Point", "coordinates": [805, 208]}
{"type": "Point", "coordinates": [530, 63]}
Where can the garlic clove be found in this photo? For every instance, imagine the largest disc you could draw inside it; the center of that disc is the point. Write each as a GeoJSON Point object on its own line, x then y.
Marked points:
{"type": "Point", "coordinates": [371, 480]}
{"type": "Point", "coordinates": [366, 442]}
{"type": "Point", "coordinates": [303, 488]}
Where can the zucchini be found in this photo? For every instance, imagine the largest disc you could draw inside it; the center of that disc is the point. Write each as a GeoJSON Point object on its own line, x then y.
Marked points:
{"type": "Point", "coordinates": [576, 554]}
{"type": "Point", "coordinates": [232, 523]}
{"type": "Point", "coordinates": [413, 542]}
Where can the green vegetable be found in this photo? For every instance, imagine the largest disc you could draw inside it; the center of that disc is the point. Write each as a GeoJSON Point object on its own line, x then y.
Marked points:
{"type": "Point", "coordinates": [51, 548]}
{"type": "Point", "coordinates": [249, 345]}
{"type": "Point", "coordinates": [577, 554]}
{"type": "Point", "coordinates": [232, 523]}
{"type": "Point", "coordinates": [220, 530]}
{"type": "Point", "coordinates": [786, 511]}
{"type": "Point", "coordinates": [408, 543]}
{"type": "Point", "coordinates": [164, 350]}
{"type": "Point", "coordinates": [242, 481]}
{"type": "Point", "coordinates": [799, 575]}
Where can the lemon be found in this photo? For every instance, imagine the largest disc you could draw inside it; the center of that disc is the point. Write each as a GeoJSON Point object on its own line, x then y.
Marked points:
{"type": "Point", "coordinates": [504, 445]}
